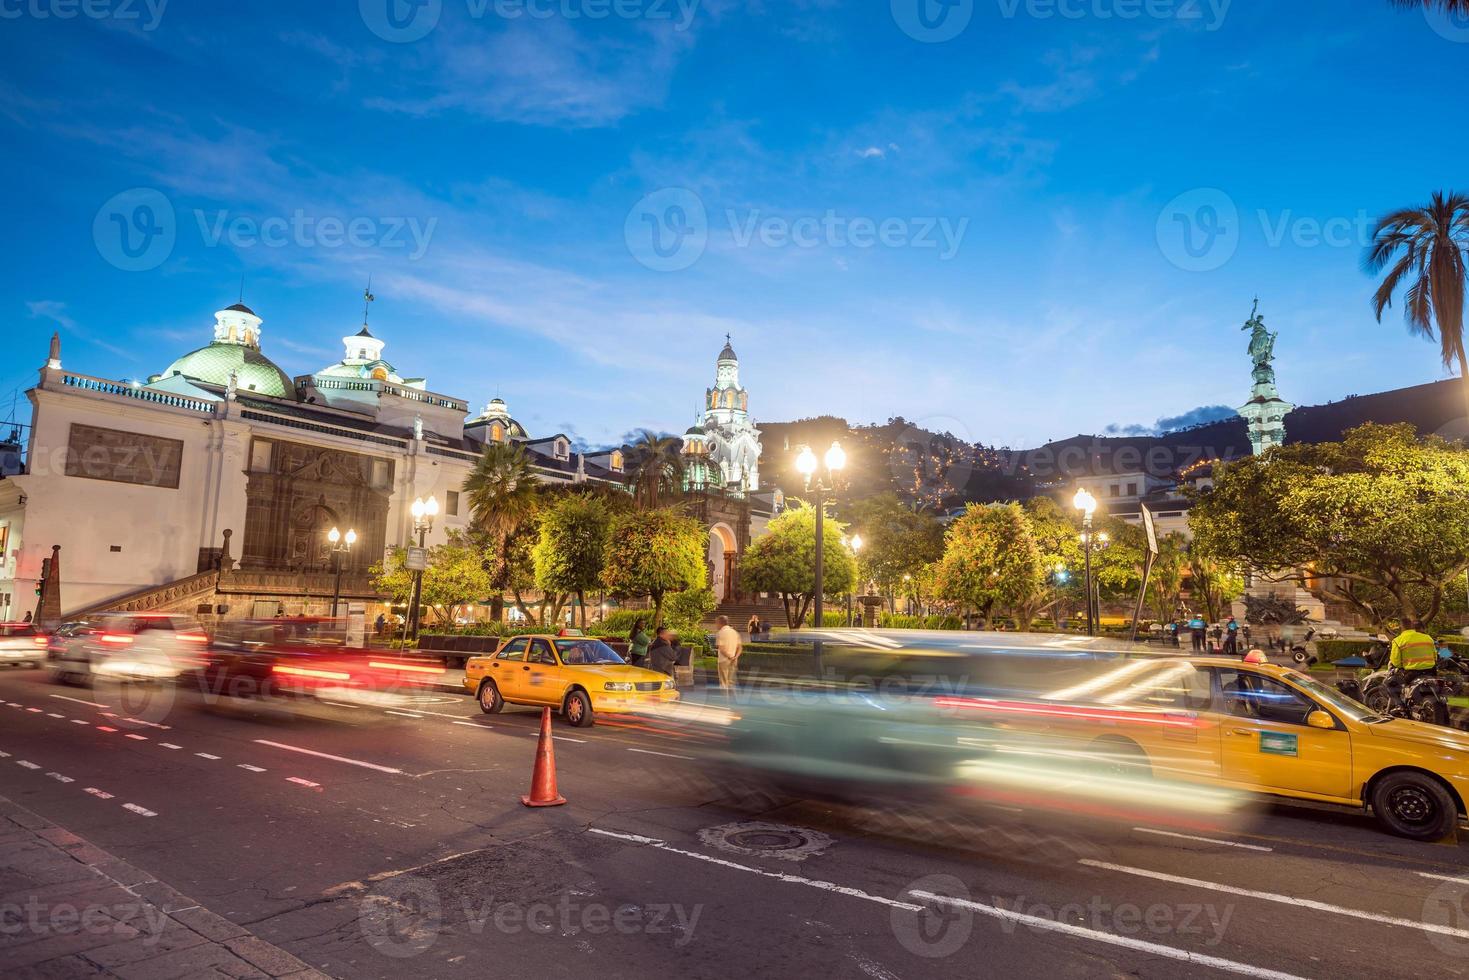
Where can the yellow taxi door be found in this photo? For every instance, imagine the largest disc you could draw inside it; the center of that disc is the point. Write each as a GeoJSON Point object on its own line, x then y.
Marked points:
{"type": "Point", "coordinates": [1267, 744]}
{"type": "Point", "coordinates": [507, 668]}
{"type": "Point", "coordinates": [543, 677]}
{"type": "Point", "coordinates": [1179, 733]}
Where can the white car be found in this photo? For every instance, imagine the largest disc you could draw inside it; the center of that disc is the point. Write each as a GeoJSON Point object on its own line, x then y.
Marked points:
{"type": "Point", "coordinates": [21, 644]}
{"type": "Point", "coordinates": [127, 646]}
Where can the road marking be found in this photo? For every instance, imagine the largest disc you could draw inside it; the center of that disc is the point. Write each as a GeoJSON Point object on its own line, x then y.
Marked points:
{"type": "Point", "coordinates": [135, 737]}
{"type": "Point", "coordinates": [52, 714]}
{"type": "Point", "coordinates": [1283, 899]}
{"type": "Point", "coordinates": [60, 778]}
{"type": "Point", "coordinates": [334, 758]}
{"type": "Point", "coordinates": [791, 879]}
{"type": "Point", "coordinates": [25, 764]}
{"type": "Point", "coordinates": [303, 782]}
{"type": "Point", "coordinates": [136, 721]}
{"type": "Point", "coordinates": [206, 755]}
{"type": "Point", "coordinates": [1111, 939]}
{"type": "Point", "coordinates": [568, 738]}
{"type": "Point", "coordinates": [1425, 874]}
{"type": "Point", "coordinates": [14, 705]}
{"type": "Point", "coordinates": [97, 793]}
{"type": "Point", "coordinates": [4, 755]}
{"type": "Point", "coordinates": [342, 704]}
{"type": "Point", "coordinates": [93, 704]}
{"type": "Point", "coordinates": [1206, 840]}
{"type": "Point", "coordinates": [104, 728]}
{"type": "Point", "coordinates": [80, 721]}
{"type": "Point", "coordinates": [475, 724]}
{"type": "Point", "coordinates": [34, 710]}
{"type": "Point", "coordinates": [669, 755]}
{"type": "Point", "coordinates": [169, 745]}
{"type": "Point", "coordinates": [404, 714]}
{"type": "Point", "coordinates": [251, 768]}
{"type": "Point", "coordinates": [141, 811]}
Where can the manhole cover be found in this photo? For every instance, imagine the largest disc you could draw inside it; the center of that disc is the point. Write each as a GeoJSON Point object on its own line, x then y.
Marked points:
{"type": "Point", "coordinates": [767, 840]}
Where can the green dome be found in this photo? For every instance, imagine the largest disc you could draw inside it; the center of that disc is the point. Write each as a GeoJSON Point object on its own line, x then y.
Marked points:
{"type": "Point", "coordinates": [214, 364]}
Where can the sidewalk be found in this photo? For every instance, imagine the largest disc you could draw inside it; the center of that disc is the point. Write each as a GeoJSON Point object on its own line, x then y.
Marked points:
{"type": "Point", "coordinates": [68, 909]}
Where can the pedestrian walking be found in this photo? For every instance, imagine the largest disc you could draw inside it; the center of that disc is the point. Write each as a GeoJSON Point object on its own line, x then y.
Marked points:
{"type": "Point", "coordinates": [637, 643]}
{"type": "Point", "coordinates": [727, 644]}
{"type": "Point", "coordinates": [753, 626]}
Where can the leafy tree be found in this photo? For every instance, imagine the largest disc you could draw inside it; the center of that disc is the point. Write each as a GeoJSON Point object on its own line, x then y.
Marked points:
{"type": "Point", "coordinates": [658, 471]}
{"type": "Point", "coordinates": [991, 561]}
{"type": "Point", "coordinates": [1423, 249]}
{"type": "Point", "coordinates": [1214, 584]}
{"type": "Point", "coordinates": [897, 541]}
{"type": "Point", "coordinates": [783, 560]}
{"type": "Point", "coordinates": [455, 577]}
{"type": "Point", "coordinates": [1378, 518]}
{"type": "Point", "coordinates": [1165, 585]}
{"type": "Point", "coordinates": [571, 547]}
{"type": "Point", "coordinates": [687, 610]}
{"type": "Point", "coordinates": [502, 493]}
{"type": "Point", "coordinates": [654, 553]}
{"type": "Point", "coordinates": [1057, 534]}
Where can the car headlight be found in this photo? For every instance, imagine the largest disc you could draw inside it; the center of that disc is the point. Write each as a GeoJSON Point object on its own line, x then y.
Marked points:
{"type": "Point", "coordinates": [617, 686]}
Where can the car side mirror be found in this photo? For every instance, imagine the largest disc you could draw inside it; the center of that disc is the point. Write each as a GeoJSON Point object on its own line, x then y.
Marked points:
{"type": "Point", "coordinates": [1320, 719]}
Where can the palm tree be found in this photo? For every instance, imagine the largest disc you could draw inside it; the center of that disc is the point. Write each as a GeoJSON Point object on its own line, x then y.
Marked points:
{"type": "Point", "coordinates": [659, 468]}
{"type": "Point", "coordinates": [503, 496]}
{"type": "Point", "coordinates": [1424, 250]}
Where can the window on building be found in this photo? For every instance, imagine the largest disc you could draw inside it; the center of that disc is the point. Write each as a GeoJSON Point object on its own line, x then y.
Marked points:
{"type": "Point", "coordinates": [616, 462]}
{"type": "Point", "coordinates": [497, 432]}
{"type": "Point", "coordinates": [1115, 490]}
{"type": "Point", "coordinates": [1132, 489]}
{"type": "Point", "coordinates": [563, 449]}
{"type": "Point", "coordinates": [261, 454]}
{"type": "Point", "coordinates": [382, 474]}
{"type": "Point", "coordinates": [451, 503]}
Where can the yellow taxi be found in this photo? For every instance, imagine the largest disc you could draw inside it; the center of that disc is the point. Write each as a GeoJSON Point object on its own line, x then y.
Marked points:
{"type": "Point", "coordinates": [578, 675]}
{"type": "Point", "coordinates": [1261, 728]}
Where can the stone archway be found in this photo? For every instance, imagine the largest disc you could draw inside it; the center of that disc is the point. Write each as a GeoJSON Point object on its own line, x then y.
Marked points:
{"type": "Point", "coordinates": [723, 551]}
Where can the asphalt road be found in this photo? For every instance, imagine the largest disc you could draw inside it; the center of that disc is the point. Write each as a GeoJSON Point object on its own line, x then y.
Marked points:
{"type": "Point", "coordinates": [389, 841]}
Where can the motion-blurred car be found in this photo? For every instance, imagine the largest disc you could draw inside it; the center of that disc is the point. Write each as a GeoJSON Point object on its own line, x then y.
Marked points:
{"type": "Point", "coordinates": [126, 646]}
{"type": "Point", "coordinates": [306, 657]}
{"type": "Point", "coordinates": [579, 676]}
{"type": "Point", "coordinates": [21, 644]}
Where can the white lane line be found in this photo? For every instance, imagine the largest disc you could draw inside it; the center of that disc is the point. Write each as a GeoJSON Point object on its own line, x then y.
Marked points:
{"type": "Point", "coordinates": [1206, 840]}
{"type": "Point", "coordinates": [251, 768]}
{"type": "Point", "coordinates": [52, 714]}
{"type": "Point", "coordinates": [60, 778]}
{"type": "Point", "coordinates": [403, 714]}
{"type": "Point", "coordinates": [668, 755]}
{"type": "Point", "coordinates": [97, 793]}
{"type": "Point", "coordinates": [14, 705]}
{"type": "Point", "coordinates": [568, 738]}
{"type": "Point", "coordinates": [80, 721]}
{"type": "Point", "coordinates": [334, 758]}
{"type": "Point", "coordinates": [34, 710]}
{"type": "Point", "coordinates": [341, 704]}
{"type": "Point", "coordinates": [135, 737]}
{"type": "Point", "coordinates": [1425, 874]}
{"type": "Point", "coordinates": [93, 704]}
{"type": "Point", "coordinates": [24, 764]}
{"type": "Point", "coordinates": [104, 728]}
{"type": "Point", "coordinates": [206, 755]}
{"type": "Point", "coordinates": [303, 782]}
{"type": "Point", "coordinates": [1111, 939]}
{"type": "Point", "coordinates": [1283, 899]}
{"type": "Point", "coordinates": [4, 755]}
{"type": "Point", "coordinates": [135, 721]}
{"type": "Point", "coordinates": [139, 810]}
{"type": "Point", "coordinates": [778, 876]}
{"type": "Point", "coordinates": [169, 745]}
{"type": "Point", "coordinates": [475, 724]}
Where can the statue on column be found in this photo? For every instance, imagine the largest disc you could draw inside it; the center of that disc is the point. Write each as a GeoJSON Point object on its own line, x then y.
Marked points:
{"type": "Point", "coordinates": [1262, 346]}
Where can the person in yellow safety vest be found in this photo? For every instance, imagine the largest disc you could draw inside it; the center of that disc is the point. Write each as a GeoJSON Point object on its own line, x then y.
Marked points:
{"type": "Point", "coordinates": [1413, 654]}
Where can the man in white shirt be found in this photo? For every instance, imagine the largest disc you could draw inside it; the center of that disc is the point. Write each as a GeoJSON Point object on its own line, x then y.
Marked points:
{"type": "Point", "coordinates": [727, 644]}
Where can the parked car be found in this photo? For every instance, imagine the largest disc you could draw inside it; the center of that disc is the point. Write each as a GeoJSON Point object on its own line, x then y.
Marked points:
{"type": "Point", "coordinates": [22, 644]}
{"type": "Point", "coordinates": [578, 676]}
{"type": "Point", "coordinates": [126, 646]}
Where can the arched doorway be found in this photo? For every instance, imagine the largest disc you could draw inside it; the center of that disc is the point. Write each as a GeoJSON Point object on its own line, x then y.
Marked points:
{"type": "Point", "coordinates": [722, 553]}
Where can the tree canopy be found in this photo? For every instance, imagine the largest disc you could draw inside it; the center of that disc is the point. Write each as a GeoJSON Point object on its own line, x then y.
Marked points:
{"type": "Point", "coordinates": [991, 560]}
{"type": "Point", "coordinates": [455, 576]}
{"type": "Point", "coordinates": [654, 553]}
{"type": "Point", "coordinates": [571, 547]}
{"type": "Point", "coordinates": [783, 560]}
{"type": "Point", "coordinates": [897, 540]}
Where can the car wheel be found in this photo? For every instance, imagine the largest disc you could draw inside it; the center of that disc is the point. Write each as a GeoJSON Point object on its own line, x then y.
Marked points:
{"type": "Point", "coordinates": [489, 698]}
{"type": "Point", "coordinates": [1121, 757]}
{"type": "Point", "coordinates": [578, 709]}
{"type": "Point", "coordinates": [1414, 805]}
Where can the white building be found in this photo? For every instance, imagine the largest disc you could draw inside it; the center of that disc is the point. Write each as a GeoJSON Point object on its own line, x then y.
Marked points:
{"type": "Point", "coordinates": [727, 437]}
{"type": "Point", "coordinates": [143, 486]}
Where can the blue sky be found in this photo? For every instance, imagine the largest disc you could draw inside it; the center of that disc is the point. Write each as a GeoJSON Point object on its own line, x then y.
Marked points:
{"type": "Point", "coordinates": [982, 232]}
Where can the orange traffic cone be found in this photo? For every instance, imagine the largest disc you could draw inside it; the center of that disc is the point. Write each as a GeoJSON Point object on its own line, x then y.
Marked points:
{"type": "Point", "coordinates": [543, 780]}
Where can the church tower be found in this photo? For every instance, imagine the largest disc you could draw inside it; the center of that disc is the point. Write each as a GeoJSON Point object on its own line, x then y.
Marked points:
{"type": "Point", "coordinates": [729, 440]}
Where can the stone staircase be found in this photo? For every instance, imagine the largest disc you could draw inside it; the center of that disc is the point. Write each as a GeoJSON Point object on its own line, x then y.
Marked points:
{"type": "Point", "coordinates": [739, 613]}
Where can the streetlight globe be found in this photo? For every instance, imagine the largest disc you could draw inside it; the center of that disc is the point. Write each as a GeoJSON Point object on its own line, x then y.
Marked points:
{"type": "Point", "coordinates": [351, 537]}
{"type": "Point", "coordinates": [806, 461]}
{"type": "Point", "coordinates": [417, 509]}
{"type": "Point", "coordinates": [334, 535]}
{"type": "Point", "coordinates": [1084, 502]}
{"type": "Point", "coordinates": [1102, 537]}
{"type": "Point", "coordinates": [836, 457]}
{"type": "Point", "coordinates": [431, 507]}
{"type": "Point", "coordinates": [856, 542]}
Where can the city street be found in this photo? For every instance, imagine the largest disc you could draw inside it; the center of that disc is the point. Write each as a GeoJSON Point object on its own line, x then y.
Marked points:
{"type": "Point", "coordinates": [377, 841]}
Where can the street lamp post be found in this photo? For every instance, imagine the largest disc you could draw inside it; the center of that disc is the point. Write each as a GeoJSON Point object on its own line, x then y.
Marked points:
{"type": "Point", "coordinates": [856, 545]}
{"type": "Point", "coordinates": [1087, 504]}
{"type": "Point", "coordinates": [836, 460]}
{"type": "Point", "coordinates": [424, 512]}
{"type": "Point", "coordinates": [341, 545]}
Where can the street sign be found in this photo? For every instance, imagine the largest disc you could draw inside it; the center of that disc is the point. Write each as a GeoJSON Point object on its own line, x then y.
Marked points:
{"type": "Point", "coordinates": [416, 560]}
{"type": "Point", "coordinates": [1152, 531]}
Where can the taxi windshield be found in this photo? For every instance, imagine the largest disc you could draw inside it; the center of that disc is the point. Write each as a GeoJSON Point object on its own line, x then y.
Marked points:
{"type": "Point", "coordinates": [581, 653]}
{"type": "Point", "coordinates": [1354, 710]}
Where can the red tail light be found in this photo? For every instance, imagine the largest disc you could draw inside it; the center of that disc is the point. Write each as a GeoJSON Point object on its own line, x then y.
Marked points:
{"type": "Point", "coordinates": [41, 641]}
{"type": "Point", "coordinates": [117, 639]}
{"type": "Point", "coordinates": [330, 675]}
{"type": "Point", "coordinates": [191, 637]}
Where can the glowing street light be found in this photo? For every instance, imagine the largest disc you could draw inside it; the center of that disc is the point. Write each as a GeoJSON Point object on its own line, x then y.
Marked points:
{"type": "Point", "coordinates": [1087, 504]}
{"type": "Point", "coordinates": [424, 512]}
{"type": "Point", "coordinates": [836, 461]}
{"type": "Point", "coordinates": [341, 545]}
